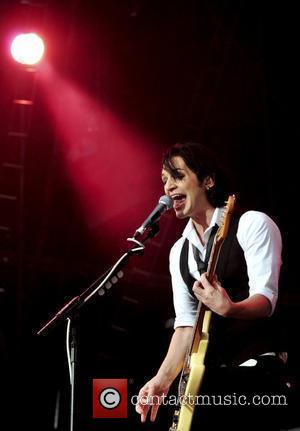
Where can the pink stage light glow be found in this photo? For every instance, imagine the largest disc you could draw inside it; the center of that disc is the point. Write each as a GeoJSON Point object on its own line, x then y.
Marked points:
{"type": "Point", "coordinates": [115, 171]}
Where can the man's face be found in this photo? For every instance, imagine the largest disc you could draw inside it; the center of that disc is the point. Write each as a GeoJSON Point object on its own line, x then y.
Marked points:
{"type": "Point", "coordinates": [185, 190]}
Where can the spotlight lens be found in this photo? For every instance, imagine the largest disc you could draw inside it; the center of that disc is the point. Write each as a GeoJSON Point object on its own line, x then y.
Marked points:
{"type": "Point", "coordinates": [27, 48]}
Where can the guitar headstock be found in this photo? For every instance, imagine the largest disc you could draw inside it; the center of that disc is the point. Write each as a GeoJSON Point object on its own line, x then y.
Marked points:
{"type": "Point", "coordinates": [225, 219]}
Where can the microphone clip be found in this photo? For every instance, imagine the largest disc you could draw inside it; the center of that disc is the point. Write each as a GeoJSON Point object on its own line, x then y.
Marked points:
{"type": "Point", "coordinates": [151, 230]}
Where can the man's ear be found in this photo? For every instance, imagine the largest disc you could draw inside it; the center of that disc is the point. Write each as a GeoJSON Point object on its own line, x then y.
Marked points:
{"type": "Point", "coordinates": [208, 182]}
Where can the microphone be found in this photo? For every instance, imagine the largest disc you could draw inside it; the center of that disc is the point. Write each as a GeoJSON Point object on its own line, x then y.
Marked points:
{"type": "Point", "coordinates": [165, 203]}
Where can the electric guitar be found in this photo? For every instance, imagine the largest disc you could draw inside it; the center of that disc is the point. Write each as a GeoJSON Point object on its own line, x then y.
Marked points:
{"type": "Point", "coordinates": [193, 368]}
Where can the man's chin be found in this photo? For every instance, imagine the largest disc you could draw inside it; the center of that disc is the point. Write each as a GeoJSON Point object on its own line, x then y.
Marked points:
{"type": "Point", "coordinates": [180, 214]}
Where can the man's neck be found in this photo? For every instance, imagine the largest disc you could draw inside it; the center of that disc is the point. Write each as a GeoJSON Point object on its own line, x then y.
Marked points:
{"type": "Point", "coordinates": [202, 221]}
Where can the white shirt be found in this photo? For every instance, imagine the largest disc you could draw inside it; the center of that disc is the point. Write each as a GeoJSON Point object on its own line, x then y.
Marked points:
{"type": "Point", "coordinates": [259, 238]}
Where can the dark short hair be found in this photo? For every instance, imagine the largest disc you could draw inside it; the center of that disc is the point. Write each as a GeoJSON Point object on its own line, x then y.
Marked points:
{"type": "Point", "coordinates": [203, 162]}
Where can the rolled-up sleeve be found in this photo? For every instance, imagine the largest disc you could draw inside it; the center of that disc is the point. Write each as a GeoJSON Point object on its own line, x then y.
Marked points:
{"type": "Point", "coordinates": [261, 241]}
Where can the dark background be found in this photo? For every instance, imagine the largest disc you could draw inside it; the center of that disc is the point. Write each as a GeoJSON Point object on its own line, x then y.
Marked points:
{"type": "Point", "coordinates": [224, 73]}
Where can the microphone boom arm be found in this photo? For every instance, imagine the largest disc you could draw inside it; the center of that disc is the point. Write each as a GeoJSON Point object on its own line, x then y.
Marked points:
{"type": "Point", "coordinates": [114, 273]}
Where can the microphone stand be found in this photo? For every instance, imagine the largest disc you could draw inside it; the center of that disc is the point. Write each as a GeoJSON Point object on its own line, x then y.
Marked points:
{"type": "Point", "coordinates": [72, 307]}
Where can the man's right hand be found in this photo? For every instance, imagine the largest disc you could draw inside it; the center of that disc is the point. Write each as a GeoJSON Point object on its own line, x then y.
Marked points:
{"type": "Point", "coordinates": [152, 395]}
{"type": "Point", "coordinates": [150, 398]}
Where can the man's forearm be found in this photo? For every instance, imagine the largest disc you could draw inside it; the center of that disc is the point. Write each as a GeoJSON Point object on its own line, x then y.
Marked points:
{"type": "Point", "coordinates": [174, 359]}
{"type": "Point", "coordinates": [254, 307]}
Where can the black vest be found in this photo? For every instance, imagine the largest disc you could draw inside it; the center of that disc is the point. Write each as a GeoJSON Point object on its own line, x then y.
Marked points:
{"type": "Point", "coordinates": [232, 341]}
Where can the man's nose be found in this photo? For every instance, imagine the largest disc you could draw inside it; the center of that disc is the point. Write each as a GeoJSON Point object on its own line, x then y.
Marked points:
{"type": "Point", "coordinates": [170, 185]}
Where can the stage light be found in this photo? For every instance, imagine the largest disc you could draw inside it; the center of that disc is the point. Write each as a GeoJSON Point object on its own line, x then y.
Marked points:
{"type": "Point", "coordinates": [27, 48]}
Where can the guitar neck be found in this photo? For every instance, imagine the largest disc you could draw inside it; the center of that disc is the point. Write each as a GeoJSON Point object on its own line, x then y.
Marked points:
{"type": "Point", "coordinates": [211, 270]}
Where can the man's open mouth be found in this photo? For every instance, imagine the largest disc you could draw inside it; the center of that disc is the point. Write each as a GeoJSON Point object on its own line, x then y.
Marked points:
{"type": "Point", "coordinates": [179, 200]}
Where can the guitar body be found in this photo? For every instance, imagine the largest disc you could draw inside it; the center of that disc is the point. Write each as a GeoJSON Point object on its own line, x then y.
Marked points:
{"type": "Point", "coordinates": [196, 374]}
